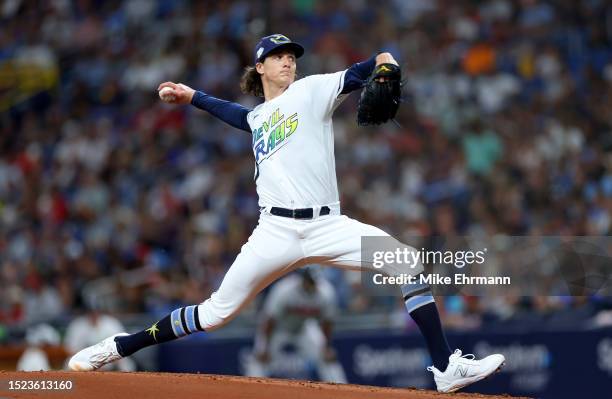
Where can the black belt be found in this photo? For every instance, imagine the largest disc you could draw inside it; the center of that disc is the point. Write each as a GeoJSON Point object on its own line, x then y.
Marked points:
{"type": "Point", "coordinates": [305, 213]}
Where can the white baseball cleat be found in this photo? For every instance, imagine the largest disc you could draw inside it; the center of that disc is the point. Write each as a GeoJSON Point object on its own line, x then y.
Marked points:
{"type": "Point", "coordinates": [465, 370]}
{"type": "Point", "coordinates": [96, 356]}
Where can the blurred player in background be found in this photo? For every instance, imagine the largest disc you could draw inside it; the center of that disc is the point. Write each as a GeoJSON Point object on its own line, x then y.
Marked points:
{"type": "Point", "coordinates": [92, 327]}
{"type": "Point", "coordinates": [298, 311]}
{"type": "Point", "coordinates": [34, 357]}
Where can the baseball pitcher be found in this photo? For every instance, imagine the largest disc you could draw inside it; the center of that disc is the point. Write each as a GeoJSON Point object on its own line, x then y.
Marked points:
{"type": "Point", "coordinates": [301, 221]}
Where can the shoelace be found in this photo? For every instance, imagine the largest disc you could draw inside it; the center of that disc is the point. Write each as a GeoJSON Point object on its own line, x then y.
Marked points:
{"type": "Point", "coordinates": [458, 352]}
{"type": "Point", "coordinates": [455, 355]}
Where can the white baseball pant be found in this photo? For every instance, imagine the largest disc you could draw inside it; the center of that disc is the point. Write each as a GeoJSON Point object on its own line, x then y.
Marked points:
{"type": "Point", "coordinates": [279, 245]}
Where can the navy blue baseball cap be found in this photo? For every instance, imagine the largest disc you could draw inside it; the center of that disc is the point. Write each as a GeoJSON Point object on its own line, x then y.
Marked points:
{"type": "Point", "coordinates": [269, 43]}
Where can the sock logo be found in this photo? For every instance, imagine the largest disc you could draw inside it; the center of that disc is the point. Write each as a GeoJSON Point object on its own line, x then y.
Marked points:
{"type": "Point", "coordinates": [152, 331]}
{"type": "Point", "coordinates": [185, 321]}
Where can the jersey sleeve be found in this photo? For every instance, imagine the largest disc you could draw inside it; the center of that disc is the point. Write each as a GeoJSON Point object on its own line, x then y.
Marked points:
{"type": "Point", "coordinates": [231, 113]}
{"type": "Point", "coordinates": [357, 74]}
{"type": "Point", "coordinates": [325, 93]}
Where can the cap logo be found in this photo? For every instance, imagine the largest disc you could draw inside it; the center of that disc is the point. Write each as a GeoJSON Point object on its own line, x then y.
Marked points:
{"type": "Point", "coordinates": [278, 39]}
{"type": "Point", "coordinates": [259, 52]}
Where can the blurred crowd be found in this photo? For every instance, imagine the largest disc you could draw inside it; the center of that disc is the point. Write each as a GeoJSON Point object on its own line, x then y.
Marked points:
{"type": "Point", "coordinates": [109, 196]}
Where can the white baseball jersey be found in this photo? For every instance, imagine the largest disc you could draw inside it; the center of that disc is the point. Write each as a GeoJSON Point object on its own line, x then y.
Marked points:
{"type": "Point", "coordinates": [293, 144]}
{"type": "Point", "coordinates": [290, 305]}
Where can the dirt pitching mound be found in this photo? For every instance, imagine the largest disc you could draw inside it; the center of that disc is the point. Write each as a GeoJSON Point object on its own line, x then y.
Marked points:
{"type": "Point", "coordinates": [110, 385]}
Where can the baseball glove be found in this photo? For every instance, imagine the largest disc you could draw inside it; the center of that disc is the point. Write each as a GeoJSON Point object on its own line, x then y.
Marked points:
{"type": "Point", "coordinates": [380, 97]}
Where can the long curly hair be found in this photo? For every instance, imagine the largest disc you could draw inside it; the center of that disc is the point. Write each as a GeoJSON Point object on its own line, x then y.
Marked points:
{"type": "Point", "coordinates": [250, 83]}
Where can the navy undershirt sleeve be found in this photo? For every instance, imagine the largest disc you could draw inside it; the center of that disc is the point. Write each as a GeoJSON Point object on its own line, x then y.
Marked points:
{"type": "Point", "coordinates": [356, 75]}
{"type": "Point", "coordinates": [229, 112]}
